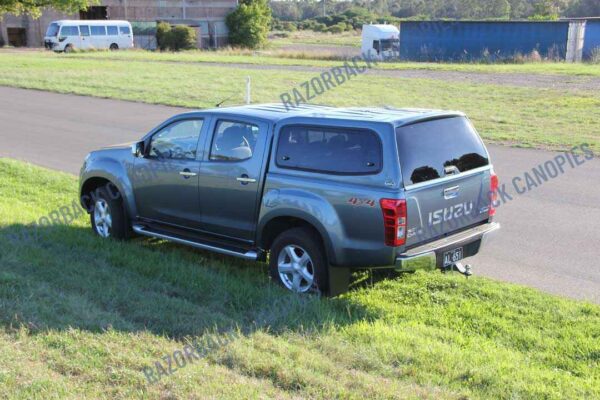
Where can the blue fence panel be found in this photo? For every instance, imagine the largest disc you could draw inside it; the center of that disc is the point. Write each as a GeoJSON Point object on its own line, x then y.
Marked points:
{"type": "Point", "coordinates": [591, 39]}
{"type": "Point", "coordinates": [473, 40]}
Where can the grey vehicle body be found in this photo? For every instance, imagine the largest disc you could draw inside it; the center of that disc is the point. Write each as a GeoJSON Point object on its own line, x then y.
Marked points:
{"type": "Point", "coordinates": [239, 206]}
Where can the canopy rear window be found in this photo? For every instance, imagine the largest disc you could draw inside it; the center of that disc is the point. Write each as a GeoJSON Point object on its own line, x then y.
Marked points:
{"type": "Point", "coordinates": [330, 150]}
{"type": "Point", "coordinates": [431, 149]}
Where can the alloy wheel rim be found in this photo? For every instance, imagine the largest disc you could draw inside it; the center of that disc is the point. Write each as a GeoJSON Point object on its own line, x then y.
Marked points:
{"type": "Point", "coordinates": [296, 269]}
{"type": "Point", "coordinates": [102, 218]}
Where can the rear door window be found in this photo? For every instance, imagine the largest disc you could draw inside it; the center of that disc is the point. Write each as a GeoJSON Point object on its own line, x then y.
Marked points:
{"type": "Point", "coordinates": [433, 149]}
{"type": "Point", "coordinates": [233, 141]}
{"type": "Point", "coordinates": [343, 151]}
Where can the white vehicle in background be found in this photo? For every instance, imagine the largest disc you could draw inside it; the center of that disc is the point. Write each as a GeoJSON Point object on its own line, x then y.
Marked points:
{"type": "Point", "coordinates": [68, 35]}
{"type": "Point", "coordinates": [380, 42]}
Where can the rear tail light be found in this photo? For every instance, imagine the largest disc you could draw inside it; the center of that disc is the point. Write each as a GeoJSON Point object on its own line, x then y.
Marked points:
{"type": "Point", "coordinates": [493, 192]}
{"type": "Point", "coordinates": [394, 221]}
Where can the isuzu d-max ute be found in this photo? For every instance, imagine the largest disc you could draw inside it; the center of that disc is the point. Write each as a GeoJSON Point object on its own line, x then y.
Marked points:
{"type": "Point", "coordinates": [315, 191]}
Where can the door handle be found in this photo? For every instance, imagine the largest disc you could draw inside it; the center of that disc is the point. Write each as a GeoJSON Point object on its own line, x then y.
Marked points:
{"type": "Point", "coordinates": [186, 173]}
{"type": "Point", "coordinates": [245, 179]}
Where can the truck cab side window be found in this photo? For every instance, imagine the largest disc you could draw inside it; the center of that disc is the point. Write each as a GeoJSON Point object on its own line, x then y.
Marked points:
{"type": "Point", "coordinates": [177, 141]}
{"type": "Point", "coordinates": [376, 45]}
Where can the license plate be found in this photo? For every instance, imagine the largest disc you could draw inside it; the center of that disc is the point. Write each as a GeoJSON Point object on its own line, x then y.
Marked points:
{"type": "Point", "coordinates": [453, 256]}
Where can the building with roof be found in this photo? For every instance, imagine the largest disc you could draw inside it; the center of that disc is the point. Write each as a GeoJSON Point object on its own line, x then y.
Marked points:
{"type": "Point", "coordinates": [207, 16]}
{"type": "Point", "coordinates": [571, 40]}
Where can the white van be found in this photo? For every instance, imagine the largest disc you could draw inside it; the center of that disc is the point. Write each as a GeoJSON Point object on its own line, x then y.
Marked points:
{"type": "Point", "coordinates": [380, 42]}
{"type": "Point", "coordinates": [68, 35]}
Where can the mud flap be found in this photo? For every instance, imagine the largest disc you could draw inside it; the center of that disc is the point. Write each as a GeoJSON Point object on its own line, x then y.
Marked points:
{"type": "Point", "coordinates": [339, 280]}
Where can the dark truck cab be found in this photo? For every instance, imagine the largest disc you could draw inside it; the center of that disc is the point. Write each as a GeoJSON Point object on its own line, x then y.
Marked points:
{"type": "Point", "coordinates": [317, 191]}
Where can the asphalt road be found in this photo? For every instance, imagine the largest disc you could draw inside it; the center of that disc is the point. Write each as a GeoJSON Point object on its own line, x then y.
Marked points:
{"type": "Point", "coordinates": [549, 237]}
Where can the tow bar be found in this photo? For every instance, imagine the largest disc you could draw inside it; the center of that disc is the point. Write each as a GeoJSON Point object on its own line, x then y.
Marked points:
{"type": "Point", "coordinates": [463, 269]}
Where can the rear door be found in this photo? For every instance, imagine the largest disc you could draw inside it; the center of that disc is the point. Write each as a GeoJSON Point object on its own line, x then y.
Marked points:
{"type": "Point", "coordinates": [446, 173]}
{"type": "Point", "coordinates": [231, 178]}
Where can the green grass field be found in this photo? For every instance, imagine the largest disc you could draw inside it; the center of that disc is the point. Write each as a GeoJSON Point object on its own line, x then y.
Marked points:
{"type": "Point", "coordinates": [506, 114]}
{"type": "Point", "coordinates": [81, 317]}
{"type": "Point", "coordinates": [290, 58]}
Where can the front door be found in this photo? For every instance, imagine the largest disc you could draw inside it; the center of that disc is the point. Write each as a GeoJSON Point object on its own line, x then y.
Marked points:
{"type": "Point", "coordinates": [165, 180]}
{"type": "Point", "coordinates": [231, 177]}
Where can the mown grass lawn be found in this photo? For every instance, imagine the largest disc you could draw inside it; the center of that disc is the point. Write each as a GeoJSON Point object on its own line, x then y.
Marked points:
{"type": "Point", "coordinates": [81, 317]}
{"type": "Point", "coordinates": [290, 58]}
{"type": "Point", "coordinates": [522, 116]}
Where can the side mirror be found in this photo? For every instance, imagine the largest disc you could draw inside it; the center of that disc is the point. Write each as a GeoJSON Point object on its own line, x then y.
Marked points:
{"type": "Point", "coordinates": [62, 38]}
{"type": "Point", "coordinates": [137, 149]}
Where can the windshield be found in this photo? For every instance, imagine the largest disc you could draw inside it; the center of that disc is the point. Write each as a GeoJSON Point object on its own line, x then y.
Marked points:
{"type": "Point", "coordinates": [390, 44]}
{"type": "Point", "coordinates": [52, 29]}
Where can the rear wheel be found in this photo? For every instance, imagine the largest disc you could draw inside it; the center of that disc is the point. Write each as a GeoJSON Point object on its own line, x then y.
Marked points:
{"type": "Point", "coordinates": [108, 215]}
{"type": "Point", "coordinates": [298, 262]}
{"type": "Point", "coordinates": [114, 46]}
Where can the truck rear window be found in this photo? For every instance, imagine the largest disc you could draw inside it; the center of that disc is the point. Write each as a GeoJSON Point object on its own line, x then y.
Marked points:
{"type": "Point", "coordinates": [429, 150]}
{"type": "Point", "coordinates": [329, 150]}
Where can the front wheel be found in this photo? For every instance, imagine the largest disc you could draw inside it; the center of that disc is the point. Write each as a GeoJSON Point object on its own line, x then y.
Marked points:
{"type": "Point", "coordinates": [114, 47]}
{"type": "Point", "coordinates": [298, 262]}
{"type": "Point", "coordinates": [108, 215]}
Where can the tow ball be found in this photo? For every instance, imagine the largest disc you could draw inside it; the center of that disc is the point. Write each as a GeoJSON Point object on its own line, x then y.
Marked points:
{"type": "Point", "coordinates": [463, 269]}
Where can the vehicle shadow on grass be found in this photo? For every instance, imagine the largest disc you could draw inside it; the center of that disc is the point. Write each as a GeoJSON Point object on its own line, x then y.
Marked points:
{"type": "Point", "coordinates": [63, 277]}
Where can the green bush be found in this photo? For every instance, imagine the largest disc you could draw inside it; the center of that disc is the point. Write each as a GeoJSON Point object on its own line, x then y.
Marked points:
{"type": "Point", "coordinates": [337, 28]}
{"type": "Point", "coordinates": [319, 27]}
{"type": "Point", "coordinates": [175, 38]}
{"type": "Point", "coordinates": [182, 38]}
{"type": "Point", "coordinates": [287, 26]}
{"type": "Point", "coordinates": [249, 24]}
{"type": "Point", "coordinates": [162, 29]}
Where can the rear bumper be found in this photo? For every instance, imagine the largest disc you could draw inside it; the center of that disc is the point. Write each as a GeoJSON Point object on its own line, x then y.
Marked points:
{"type": "Point", "coordinates": [429, 256]}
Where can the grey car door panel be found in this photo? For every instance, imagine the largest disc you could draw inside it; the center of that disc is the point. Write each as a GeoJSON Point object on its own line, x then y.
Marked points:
{"type": "Point", "coordinates": [166, 179]}
{"type": "Point", "coordinates": [231, 177]}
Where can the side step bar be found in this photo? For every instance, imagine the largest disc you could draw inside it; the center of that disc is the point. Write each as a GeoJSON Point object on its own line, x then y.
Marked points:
{"type": "Point", "coordinates": [248, 255]}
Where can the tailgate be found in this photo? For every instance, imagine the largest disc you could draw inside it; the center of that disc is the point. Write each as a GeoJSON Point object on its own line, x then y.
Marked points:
{"type": "Point", "coordinates": [446, 206]}
{"type": "Point", "coordinates": [446, 175]}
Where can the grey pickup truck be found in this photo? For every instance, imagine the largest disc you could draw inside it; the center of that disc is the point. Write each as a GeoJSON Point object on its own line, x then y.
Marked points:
{"type": "Point", "coordinates": [315, 191]}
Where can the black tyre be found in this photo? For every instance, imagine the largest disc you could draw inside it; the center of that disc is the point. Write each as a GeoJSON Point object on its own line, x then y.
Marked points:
{"type": "Point", "coordinates": [298, 261]}
{"type": "Point", "coordinates": [114, 47]}
{"type": "Point", "coordinates": [107, 213]}
{"type": "Point", "coordinates": [69, 48]}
